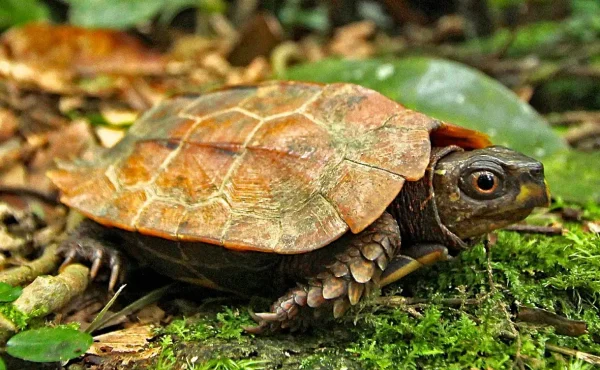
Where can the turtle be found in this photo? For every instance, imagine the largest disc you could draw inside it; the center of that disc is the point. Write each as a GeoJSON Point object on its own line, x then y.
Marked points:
{"type": "Point", "coordinates": [312, 194]}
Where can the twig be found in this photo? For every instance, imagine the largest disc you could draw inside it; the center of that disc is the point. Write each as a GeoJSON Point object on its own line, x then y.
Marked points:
{"type": "Point", "coordinates": [399, 301]}
{"type": "Point", "coordinates": [488, 253]}
{"type": "Point", "coordinates": [533, 229]}
{"type": "Point", "coordinates": [563, 325]}
{"type": "Point", "coordinates": [49, 293]}
{"type": "Point", "coordinates": [587, 357]}
{"type": "Point", "coordinates": [47, 263]}
{"type": "Point", "coordinates": [29, 192]}
{"type": "Point", "coordinates": [573, 117]}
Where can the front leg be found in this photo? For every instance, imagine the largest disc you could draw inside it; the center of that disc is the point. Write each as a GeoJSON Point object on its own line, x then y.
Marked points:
{"type": "Point", "coordinates": [411, 259]}
{"type": "Point", "coordinates": [94, 243]}
{"type": "Point", "coordinates": [334, 277]}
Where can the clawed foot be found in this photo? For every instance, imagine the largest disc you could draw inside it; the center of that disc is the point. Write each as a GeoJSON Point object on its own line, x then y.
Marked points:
{"type": "Point", "coordinates": [81, 247]}
{"type": "Point", "coordinates": [286, 313]}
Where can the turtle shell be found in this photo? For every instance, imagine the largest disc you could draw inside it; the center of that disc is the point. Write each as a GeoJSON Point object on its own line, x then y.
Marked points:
{"type": "Point", "coordinates": [284, 167]}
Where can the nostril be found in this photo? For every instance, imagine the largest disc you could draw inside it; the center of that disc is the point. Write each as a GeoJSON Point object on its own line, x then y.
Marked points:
{"type": "Point", "coordinates": [537, 171]}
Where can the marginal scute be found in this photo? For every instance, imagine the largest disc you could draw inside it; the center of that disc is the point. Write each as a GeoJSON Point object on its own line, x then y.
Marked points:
{"type": "Point", "coordinates": [314, 222]}
{"type": "Point", "coordinates": [248, 232]}
{"type": "Point", "coordinates": [211, 216]}
{"type": "Point", "coordinates": [91, 196]}
{"type": "Point", "coordinates": [160, 218]}
{"type": "Point", "coordinates": [125, 207]}
{"type": "Point", "coordinates": [363, 193]}
{"type": "Point", "coordinates": [397, 150]}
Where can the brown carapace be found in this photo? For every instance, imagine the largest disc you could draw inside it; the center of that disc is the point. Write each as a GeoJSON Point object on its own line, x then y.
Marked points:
{"type": "Point", "coordinates": [272, 172]}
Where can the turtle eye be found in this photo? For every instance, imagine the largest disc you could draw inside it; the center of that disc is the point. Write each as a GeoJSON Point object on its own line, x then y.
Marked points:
{"type": "Point", "coordinates": [484, 182]}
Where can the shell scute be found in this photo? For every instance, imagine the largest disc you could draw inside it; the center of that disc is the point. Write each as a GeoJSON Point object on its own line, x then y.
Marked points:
{"type": "Point", "coordinates": [217, 102]}
{"type": "Point", "coordinates": [160, 218]}
{"type": "Point", "coordinates": [125, 207]}
{"type": "Point", "coordinates": [143, 163]}
{"type": "Point", "coordinates": [212, 216]}
{"type": "Point", "coordinates": [228, 129]}
{"type": "Point", "coordinates": [360, 191]}
{"type": "Point", "coordinates": [277, 99]}
{"type": "Point", "coordinates": [178, 182]}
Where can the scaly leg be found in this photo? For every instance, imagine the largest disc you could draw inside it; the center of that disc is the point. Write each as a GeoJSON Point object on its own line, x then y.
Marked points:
{"type": "Point", "coordinates": [336, 277]}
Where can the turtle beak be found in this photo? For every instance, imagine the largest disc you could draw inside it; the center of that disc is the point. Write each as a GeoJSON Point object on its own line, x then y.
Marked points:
{"type": "Point", "coordinates": [534, 190]}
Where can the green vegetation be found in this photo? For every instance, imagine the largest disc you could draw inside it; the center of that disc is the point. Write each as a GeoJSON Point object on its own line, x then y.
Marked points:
{"type": "Point", "coordinates": [559, 274]}
{"type": "Point", "coordinates": [466, 316]}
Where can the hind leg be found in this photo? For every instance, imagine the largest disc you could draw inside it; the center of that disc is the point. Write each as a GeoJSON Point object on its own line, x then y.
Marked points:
{"type": "Point", "coordinates": [335, 277]}
{"type": "Point", "coordinates": [93, 243]}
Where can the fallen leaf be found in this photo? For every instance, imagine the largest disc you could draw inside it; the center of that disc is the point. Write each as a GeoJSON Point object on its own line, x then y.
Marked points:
{"type": "Point", "coordinates": [57, 58]}
{"type": "Point", "coordinates": [8, 124]}
{"type": "Point", "coordinates": [131, 340]}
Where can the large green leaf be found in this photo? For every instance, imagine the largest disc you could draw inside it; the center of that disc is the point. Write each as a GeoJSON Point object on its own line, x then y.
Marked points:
{"type": "Point", "coordinates": [48, 344]}
{"type": "Point", "coordinates": [16, 12]}
{"type": "Point", "coordinates": [9, 293]}
{"type": "Point", "coordinates": [112, 13]}
{"type": "Point", "coordinates": [456, 93]}
{"type": "Point", "coordinates": [128, 13]}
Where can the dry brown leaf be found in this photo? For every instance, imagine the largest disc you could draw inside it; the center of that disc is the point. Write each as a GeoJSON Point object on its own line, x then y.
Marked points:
{"type": "Point", "coordinates": [73, 141]}
{"type": "Point", "coordinates": [258, 37]}
{"type": "Point", "coordinates": [131, 340]}
{"type": "Point", "coordinates": [58, 58]}
{"type": "Point", "coordinates": [11, 151]}
{"type": "Point", "coordinates": [14, 176]}
{"type": "Point", "coordinates": [8, 124]}
{"type": "Point", "coordinates": [352, 41]}
{"type": "Point", "coordinates": [151, 314]}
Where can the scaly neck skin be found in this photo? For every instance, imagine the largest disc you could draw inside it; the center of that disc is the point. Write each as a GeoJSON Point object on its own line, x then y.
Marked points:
{"type": "Point", "coordinates": [415, 211]}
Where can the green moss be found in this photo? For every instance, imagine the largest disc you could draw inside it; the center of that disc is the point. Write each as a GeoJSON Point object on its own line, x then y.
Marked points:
{"type": "Point", "coordinates": [15, 316]}
{"type": "Point", "coordinates": [229, 364]}
{"type": "Point", "coordinates": [559, 274]}
{"type": "Point", "coordinates": [227, 324]}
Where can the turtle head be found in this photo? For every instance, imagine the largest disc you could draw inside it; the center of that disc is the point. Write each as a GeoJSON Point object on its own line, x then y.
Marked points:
{"type": "Point", "coordinates": [482, 190]}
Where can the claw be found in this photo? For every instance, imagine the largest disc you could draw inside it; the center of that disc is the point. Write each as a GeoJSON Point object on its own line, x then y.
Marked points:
{"type": "Point", "coordinates": [69, 258]}
{"type": "Point", "coordinates": [114, 276]}
{"type": "Point", "coordinates": [267, 317]}
{"type": "Point", "coordinates": [97, 262]}
{"type": "Point", "coordinates": [258, 329]}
